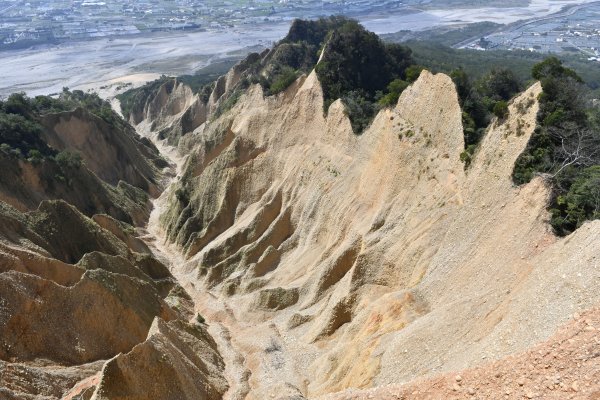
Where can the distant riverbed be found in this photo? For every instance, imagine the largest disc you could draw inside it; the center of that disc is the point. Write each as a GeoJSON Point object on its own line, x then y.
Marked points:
{"type": "Point", "coordinates": [90, 64]}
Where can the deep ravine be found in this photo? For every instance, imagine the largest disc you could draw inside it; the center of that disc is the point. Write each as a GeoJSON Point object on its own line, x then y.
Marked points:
{"type": "Point", "coordinates": [402, 264]}
{"type": "Point", "coordinates": [153, 235]}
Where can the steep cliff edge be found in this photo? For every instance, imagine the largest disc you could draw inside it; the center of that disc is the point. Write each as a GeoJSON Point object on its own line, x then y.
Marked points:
{"type": "Point", "coordinates": [86, 307]}
{"type": "Point", "coordinates": [288, 256]}
{"type": "Point", "coordinates": [330, 260]}
{"type": "Point", "coordinates": [114, 153]}
{"type": "Point", "coordinates": [98, 164]}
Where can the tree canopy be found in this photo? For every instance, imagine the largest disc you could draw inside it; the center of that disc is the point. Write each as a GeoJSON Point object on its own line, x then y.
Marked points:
{"type": "Point", "coordinates": [565, 146]}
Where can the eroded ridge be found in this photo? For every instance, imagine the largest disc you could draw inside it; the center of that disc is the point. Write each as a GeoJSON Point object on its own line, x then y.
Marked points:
{"type": "Point", "coordinates": [328, 260]}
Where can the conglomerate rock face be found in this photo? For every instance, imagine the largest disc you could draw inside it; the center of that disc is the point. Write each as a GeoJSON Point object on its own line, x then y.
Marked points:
{"type": "Point", "coordinates": [86, 309]}
{"type": "Point", "coordinates": [327, 260]}
{"type": "Point", "coordinates": [320, 260]}
{"type": "Point", "coordinates": [118, 172]}
{"type": "Point", "coordinates": [77, 298]}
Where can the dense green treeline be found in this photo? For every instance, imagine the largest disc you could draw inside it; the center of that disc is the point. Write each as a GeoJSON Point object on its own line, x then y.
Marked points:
{"type": "Point", "coordinates": [565, 146]}
{"type": "Point", "coordinates": [480, 100]}
{"type": "Point", "coordinates": [358, 67]}
{"type": "Point", "coordinates": [441, 58]}
{"type": "Point", "coordinates": [21, 131]}
{"type": "Point", "coordinates": [294, 55]}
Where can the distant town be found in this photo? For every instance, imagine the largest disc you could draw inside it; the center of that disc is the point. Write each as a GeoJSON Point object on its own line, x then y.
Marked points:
{"type": "Point", "coordinates": [23, 24]}
{"type": "Point", "coordinates": [575, 30]}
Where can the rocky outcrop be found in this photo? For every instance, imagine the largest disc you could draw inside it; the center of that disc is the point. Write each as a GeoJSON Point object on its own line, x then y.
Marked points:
{"type": "Point", "coordinates": [105, 168]}
{"type": "Point", "coordinates": [178, 360]}
{"type": "Point", "coordinates": [101, 315]}
{"type": "Point", "coordinates": [172, 110]}
{"type": "Point", "coordinates": [76, 295]}
{"type": "Point", "coordinates": [20, 381]}
{"type": "Point", "coordinates": [375, 258]}
{"type": "Point", "coordinates": [113, 152]}
{"type": "Point", "coordinates": [123, 231]}
{"type": "Point", "coordinates": [24, 185]}
{"type": "Point", "coordinates": [81, 290]}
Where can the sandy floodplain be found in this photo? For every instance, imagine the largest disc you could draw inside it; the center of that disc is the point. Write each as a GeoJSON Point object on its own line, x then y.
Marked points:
{"type": "Point", "coordinates": [136, 59]}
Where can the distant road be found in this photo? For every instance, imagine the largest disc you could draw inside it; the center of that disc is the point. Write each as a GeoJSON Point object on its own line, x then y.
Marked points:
{"type": "Point", "coordinates": [7, 8]}
{"type": "Point", "coordinates": [567, 11]}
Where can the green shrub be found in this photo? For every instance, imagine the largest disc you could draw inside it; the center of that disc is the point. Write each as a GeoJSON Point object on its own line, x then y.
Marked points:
{"type": "Point", "coordinates": [553, 67]}
{"type": "Point", "coordinates": [34, 156]}
{"type": "Point", "coordinates": [580, 203]}
{"type": "Point", "coordinates": [501, 109]}
{"type": "Point", "coordinates": [17, 103]}
{"type": "Point", "coordinates": [467, 155]}
{"type": "Point", "coordinates": [499, 84]}
{"type": "Point", "coordinates": [413, 72]}
{"type": "Point", "coordinates": [228, 103]}
{"type": "Point", "coordinates": [21, 132]}
{"type": "Point", "coordinates": [394, 90]}
{"type": "Point", "coordinates": [67, 160]}
{"type": "Point", "coordinates": [565, 145]}
{"type": "Point", "coordinates": [283, 80]}
{"type": "Point", "coordinates": [360, 110]}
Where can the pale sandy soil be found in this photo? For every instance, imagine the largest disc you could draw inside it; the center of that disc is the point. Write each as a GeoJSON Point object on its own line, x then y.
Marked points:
{"type": "Point", "coordinates": [567, 366]}
{"type": "Point", "coordinates": [404, 264]}
{"type": "Point", "coordinates": [153, 235]}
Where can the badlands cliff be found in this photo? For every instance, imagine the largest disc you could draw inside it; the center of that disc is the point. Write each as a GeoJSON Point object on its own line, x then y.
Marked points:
{"type": "Point", "coordinates": [325, 260]}
{"type": "Point", "coordinates": [83, 301]}
{"type": "Point", "coordinates": [289, 257]}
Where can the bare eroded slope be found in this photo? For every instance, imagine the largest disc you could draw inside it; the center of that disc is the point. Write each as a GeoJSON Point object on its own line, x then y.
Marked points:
{"type": "Point", "coordinates": [323, 260]}
{"type": "Point", "coordinates": [564, 367]}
